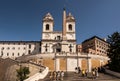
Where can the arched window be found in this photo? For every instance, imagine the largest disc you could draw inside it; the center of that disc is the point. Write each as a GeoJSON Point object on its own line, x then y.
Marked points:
{"type": "Point", "coordinates": [70, 27]}
{"type": "Point", "coordinates": [47, 26]}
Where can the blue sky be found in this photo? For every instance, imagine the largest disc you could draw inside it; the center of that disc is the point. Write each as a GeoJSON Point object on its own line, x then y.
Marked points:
{"type": "Point", "coordinates": [22, 19]}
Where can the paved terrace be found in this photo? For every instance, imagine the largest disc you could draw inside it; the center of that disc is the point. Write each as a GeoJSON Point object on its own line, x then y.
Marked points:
{"type": "Point", "coordinates": [77, 77]}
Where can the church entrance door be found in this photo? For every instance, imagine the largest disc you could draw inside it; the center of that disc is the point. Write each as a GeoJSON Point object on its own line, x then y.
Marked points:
{"type": "Point", "coordinates": [57, 47]}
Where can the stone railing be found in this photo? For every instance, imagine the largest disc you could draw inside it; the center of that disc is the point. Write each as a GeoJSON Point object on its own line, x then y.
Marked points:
{"type": "Point", "coordinates": [116, 74]}
{"type": "Point", "coordinates": [38, 75]}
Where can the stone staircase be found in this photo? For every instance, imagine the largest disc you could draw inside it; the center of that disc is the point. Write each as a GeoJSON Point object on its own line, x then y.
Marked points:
{"type": "Point", "coordinates": [71, 76]}
{"type": "Point", "coordinates": [47, 78]}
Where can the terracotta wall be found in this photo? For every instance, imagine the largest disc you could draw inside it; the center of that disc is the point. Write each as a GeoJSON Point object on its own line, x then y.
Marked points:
{"type": "Point", "coordinates": [84, 64]}
{"type": "Point", "coordinates": [95, 63]}
{"type": "Point", "coordinates": [63, 64]}
{"type": "Point", "coordinates": [49, 63]}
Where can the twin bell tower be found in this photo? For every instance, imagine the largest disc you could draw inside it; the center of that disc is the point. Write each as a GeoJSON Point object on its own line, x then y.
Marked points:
{"type": "Point", "coordinates": [59, 41]}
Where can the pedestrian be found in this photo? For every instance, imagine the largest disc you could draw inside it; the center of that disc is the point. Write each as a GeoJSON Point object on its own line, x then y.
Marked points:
{"type": "Point", "coordinates": [51, 76]}
{"type": "Point", "coordinates": [86, 72]}
{"type": "Point", "coordinates": [76, 69]}
{"type": "Point", "coordinates": [54, 75]}
{"type": "Point", "coordinates": [96, 72]}
{"type": "Point", "coordinates": [83, 73]}
{"type": "Point", "coordinates": [79, 70]}
{"type": "Point", "coordinates": [62, 75]}
{"type": "Point", "coordinates": [93, 74]}
{"type": "Point", "coordinates": [58, 75]}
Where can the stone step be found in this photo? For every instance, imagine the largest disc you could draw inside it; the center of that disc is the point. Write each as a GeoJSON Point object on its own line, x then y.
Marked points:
{"type": "Point", "coordinates": [71, 76]}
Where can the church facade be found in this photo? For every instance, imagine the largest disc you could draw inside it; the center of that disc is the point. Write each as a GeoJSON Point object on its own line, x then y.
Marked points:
{"type": "Point", "coordinates": [58, 41]}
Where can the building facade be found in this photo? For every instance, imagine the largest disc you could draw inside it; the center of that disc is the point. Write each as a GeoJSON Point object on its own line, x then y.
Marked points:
{"type": "Point", "coordinates": [95, 45]}
{"type": "Point", "coordinates": [79, 48]}
{"type": "Point", "coordinates": [13, 49]}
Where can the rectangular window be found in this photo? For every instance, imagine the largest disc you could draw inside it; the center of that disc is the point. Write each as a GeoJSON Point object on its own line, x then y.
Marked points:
{"type": "Point", "coordinates": [18, 54]}
{"type": "Point", "coordinates": [13, 48]}
{"type": "Point", "coordinates": [2, 48]}
{"type": "Point", "coordinates": [29, 51]}
{"type": "Point", "coordinates": [29, 46]}
{"type": "Point", "coordinates": [12, 54]}
{"type": "Point", "coordinates": [7, 54]}
{"type": "Point", "coordinates": [8, 48]}
{"type": "Point", "coordinates": [1, 53]}
{"type": "Point", "coordinates": [18, 48]}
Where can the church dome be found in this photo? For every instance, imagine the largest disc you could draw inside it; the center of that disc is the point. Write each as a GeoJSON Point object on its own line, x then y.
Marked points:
{"type": "Point", "coordinates": [70, 18]}
{"type": "Point", "coordinates": [48, 17]}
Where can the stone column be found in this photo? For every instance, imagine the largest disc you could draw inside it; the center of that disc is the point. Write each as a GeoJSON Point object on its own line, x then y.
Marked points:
{"type": "Point", "coordinates": [57, 64]}
{"type": "Point", "coordinates": [89, 65]}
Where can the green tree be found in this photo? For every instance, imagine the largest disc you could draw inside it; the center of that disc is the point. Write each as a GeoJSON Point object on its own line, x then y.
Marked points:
{"type": "Point", "coordinates": [114, 51]}
{"type": "Point", "coordinates": [22, 73]}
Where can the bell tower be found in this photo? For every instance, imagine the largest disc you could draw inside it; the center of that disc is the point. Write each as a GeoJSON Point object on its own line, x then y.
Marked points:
{"type": "Point", "coordinates": [70, 27]}
{"type": "Point", "coordinates": [48, 23]}
{"type": "Point", "coordinates": [47, 31]}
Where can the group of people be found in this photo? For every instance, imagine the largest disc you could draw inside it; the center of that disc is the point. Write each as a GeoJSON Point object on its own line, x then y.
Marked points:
{"type": "Point", "coordinates": [85, 73]}
{"type": "Point", "coordinates": [56, 75]}
{"type": "Point", "coordinates": [95, 73]}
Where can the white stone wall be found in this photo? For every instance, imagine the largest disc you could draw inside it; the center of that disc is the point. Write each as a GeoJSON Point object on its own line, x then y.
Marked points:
{"type": "Point", "coordinates": [13, 50]}
{"type": "Point", "coordinates": [51, 35]}
{"type": "Point", "coordinates": [71, 36]}
{"type": "Point", "coordinates": [71, 64]}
